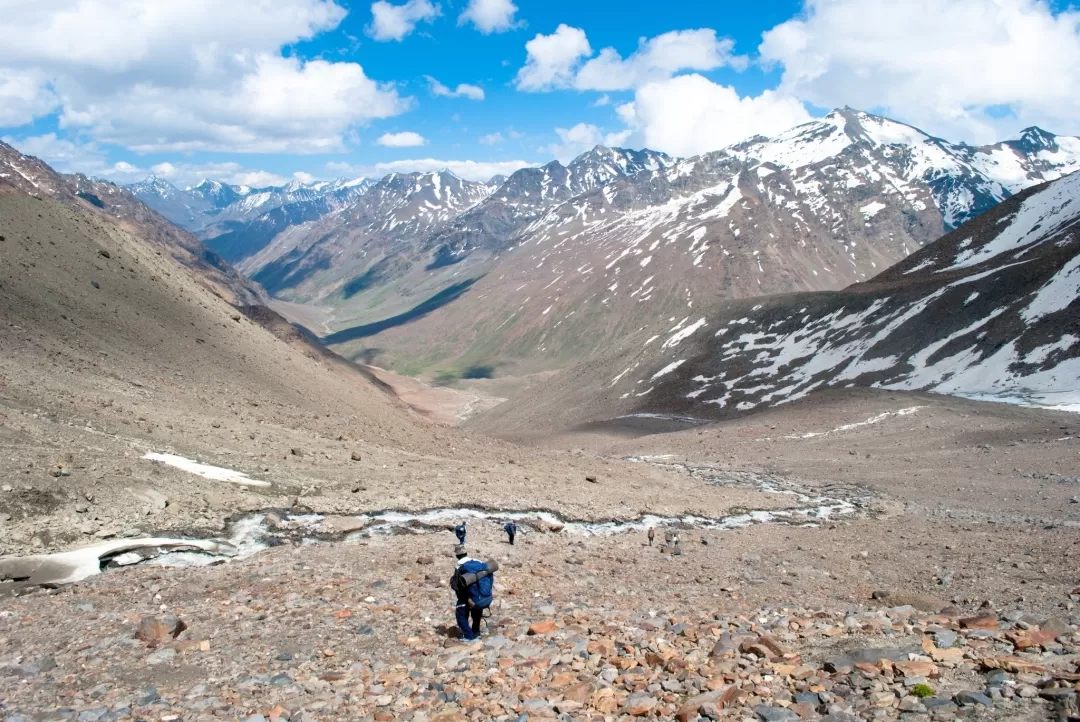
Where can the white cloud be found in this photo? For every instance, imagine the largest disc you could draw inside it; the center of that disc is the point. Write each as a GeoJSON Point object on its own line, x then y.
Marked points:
{"type": "Point", "coordinates": [394, 22]}
{"type": "Point", "coordinates": [472, 92]}
{"type": "Point", "coordinates": [303, 177]}
{"type": "Point", "coordinates": [467, 169]}
{"type": "Point", "coordinates": [581, 138]}
{"type": "Point", "coordinates": [603, 100]}
{"type": "Point", "coordinates": [492, 139]}
{"type": "Point", "coordinates": [489, 16]}
{"type": "Point", "coordinates": [945, 65]}
{"type": "Point", "coordinates": [555, 61]}
{"type": "Point", "coordinates": [406, 139]}
{"type": "Point", "coordinates": [658, 58]}
{"type": "Point", "coordinates": [88, 158]}
{"type": "Point", "coordinates": [552, 59]}
{"type": "Point", "coordinates": [463, 90]}
{"type": "Point", "coordinates": [158, 76]}
{"type": "Point", "coordinates": [24, 96]}
{"type": "Point", "coordinates": [689, 114]}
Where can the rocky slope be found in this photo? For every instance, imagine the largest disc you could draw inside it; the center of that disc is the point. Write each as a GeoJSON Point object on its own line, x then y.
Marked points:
{"type": "Point", "coordinates": [105, 204]}
{"type": "Point", "coordinates": [990, 310]}
{"type": "Point", "coordinates": [112, 351]}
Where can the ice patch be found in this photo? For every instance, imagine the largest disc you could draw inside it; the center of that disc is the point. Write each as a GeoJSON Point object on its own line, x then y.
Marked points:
{"type": "Point", "coordinates": [684, 334]}
{"type": "Point", "coordinates": [872, 209]}
{"type": "Point", "coordinates": [206, 471]}
{"type": "Point", "coordinates": [869, 422]}
{"type": "Point", "coordinates": [667, 369]}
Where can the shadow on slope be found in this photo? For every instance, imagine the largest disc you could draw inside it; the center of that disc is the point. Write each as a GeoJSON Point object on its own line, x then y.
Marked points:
{"type": "Point", "coordinates": [440, 299]}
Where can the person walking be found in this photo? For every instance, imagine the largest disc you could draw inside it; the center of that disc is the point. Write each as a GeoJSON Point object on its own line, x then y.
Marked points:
{"type": "Point", "coordinates": [511, 530]}
{"type": "Point", "coordinates": [460, 531]}
{"type": "Point", "coordinates": [473, 583]}
{"type": "Point", "coordinates": [652, 535]}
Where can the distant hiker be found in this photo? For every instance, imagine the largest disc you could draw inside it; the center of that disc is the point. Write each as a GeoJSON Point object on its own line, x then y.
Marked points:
{"type": "Point", "coordinates": [652, 535]}
{"type": "Point", "coordinates": [676, 547]}
{"type": "Point", "coordinates": [460, 531]}
{"type": "Point", "coordinates": [474, 584]}
{"type": "Point", "coordinates": [511, 531]}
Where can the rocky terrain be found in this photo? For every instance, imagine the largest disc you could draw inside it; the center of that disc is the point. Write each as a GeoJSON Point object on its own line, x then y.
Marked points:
{"type": "Point", "coordinates": [103, 204]}
{"type": "Point", "coordinates": [205, 514]}
{"type": "Point", "coordinates": [764, 624]}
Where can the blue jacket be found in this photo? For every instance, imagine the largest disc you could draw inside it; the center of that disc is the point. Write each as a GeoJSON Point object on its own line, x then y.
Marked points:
{"type": "Point", "coordinates": [465, 565]}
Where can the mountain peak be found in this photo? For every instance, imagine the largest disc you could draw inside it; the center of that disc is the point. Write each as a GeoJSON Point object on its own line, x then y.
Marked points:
{"type": "Point", "coordinates": [1034, 139]}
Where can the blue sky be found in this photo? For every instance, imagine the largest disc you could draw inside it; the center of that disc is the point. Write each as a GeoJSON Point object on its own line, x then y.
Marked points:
{"type": "Point", "coordinates": [260, 91]}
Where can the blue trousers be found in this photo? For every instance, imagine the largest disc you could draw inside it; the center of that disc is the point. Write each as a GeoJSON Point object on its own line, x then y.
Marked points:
{"type": "Point", "coordinates": [468, 620]}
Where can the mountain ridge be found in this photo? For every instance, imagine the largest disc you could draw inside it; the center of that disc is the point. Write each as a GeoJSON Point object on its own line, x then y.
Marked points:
{"type": "Point", "coordinates": [989, 311]}
{"type": "Point", "coordinates": [819, 207]}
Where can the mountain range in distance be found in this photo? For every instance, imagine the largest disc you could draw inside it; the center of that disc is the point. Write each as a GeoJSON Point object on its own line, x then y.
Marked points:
{"type": "Point", "coordinates": [428, 272]}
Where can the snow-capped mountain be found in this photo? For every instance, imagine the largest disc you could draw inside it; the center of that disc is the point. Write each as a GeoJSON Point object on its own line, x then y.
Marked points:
{"type": "Point", "coordinates": [322, 254]}
{"type": "Point", "coordinates": [30, 175]}
{"type": "Point", "coordinates": [623, 236]}
{"type": "Point", "coordinates": [990, 311]}
{"type": "Point", "coordinates": [217, 194]}
{"type": "Point", "coordinates": [825, 205]}
{"type": "Point", "coordinates": [204, 209]}
{"type": "Point", "coordinates": [852, 148]}
{"type": "Point", "coordinates": [529, 192]}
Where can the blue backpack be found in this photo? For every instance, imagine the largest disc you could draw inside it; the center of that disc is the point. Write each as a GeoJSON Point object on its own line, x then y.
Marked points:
{"type": "Point", "coordinates": [480, 583]}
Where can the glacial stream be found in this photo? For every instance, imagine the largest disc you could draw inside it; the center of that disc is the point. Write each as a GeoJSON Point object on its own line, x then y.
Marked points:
{"type": "Point", "coordinates": [248, 534]}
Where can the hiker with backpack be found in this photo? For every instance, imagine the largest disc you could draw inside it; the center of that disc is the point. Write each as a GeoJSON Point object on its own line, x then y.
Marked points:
{"type": "Point", "coordinates": [511, 531]}
{"type": "Point", "coordinates": [474, 584]}
{"type": "Point", "coordinates": [460, 531]}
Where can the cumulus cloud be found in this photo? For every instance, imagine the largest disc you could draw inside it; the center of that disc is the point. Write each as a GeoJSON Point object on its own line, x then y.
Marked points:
{"type": "Point", "coordinates": [159, 77]}
{"type": "Point", "coordinates": [467, 169]}
{"type": "Point", "coordinates": [406, 139]}
{"type": "Point", "coordinates": [558, 60]}
{"type": "Point", "coordinates": [90, 159]}
{"type": "Point", "coordinates": [492, 139]}
{"type": "Point", "coordinates": [489, 16]}
{"type": "Point", "coordinates": [690, 114]}
{"type": "Point", "coordinates": [394, 22]}
{"type": "Point", "coordinates": [581, 138]}
{"type": "Point", "coordinates": [24, 96]}
{"type": "Point", "coordinates": [658, 58]}
{"type": "Point", "coordinates": [953, 76]}
{"type": "Point", "coordinates": [463, 90]}
{"type": "Point", "coordinates": [552, 59]}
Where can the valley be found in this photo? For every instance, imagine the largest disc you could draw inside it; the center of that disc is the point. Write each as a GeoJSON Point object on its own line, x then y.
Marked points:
{"type": "Point", "coordinates": [206, 512]}
{"type": "Point", "coordinates": [431, 275]}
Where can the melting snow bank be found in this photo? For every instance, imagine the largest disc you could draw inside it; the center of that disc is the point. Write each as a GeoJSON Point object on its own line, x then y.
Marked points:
{"type": "Point", "coordinates": [667, 417]}
{"type": "Point", "coordinates": [74, 566]}
{"type": "Point", "coordinates": [1054, 401]}
{"type": "Point", "coordinates": [206, 471]}
{"type": "Point", "coordinates": [869, 422]}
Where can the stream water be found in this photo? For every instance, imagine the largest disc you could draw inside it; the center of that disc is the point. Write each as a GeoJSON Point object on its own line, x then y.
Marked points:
{"type": "Point", "coordinates": [248, 534]}
{"type": "Point", "coordinates": [254, 532]}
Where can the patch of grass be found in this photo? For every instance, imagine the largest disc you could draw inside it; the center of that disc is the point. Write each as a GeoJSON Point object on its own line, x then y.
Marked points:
{"type": "Point", "coordinates": [922, 691]}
